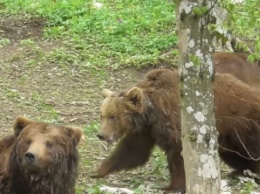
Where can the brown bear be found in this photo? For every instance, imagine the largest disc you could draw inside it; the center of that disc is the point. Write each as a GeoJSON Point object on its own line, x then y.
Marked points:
{"type": "Point", "coordinates": [237, 65]}
{"type": "Point", "coordinates": [39, 158]}
{"type": "Point", "coordinates": [149, 114]}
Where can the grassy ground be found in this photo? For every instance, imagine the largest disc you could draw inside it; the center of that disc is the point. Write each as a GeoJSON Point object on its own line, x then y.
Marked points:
{"type": "Point", "coordinates": [54, 74]}
{"type": "Point", "coordinates": [33, 84]}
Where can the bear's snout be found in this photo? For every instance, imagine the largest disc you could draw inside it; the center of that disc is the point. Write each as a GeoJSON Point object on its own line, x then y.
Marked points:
{"type": "Point", "coordinates": [101, 136]}
{"type": "Point", "coordinates": [30, 157]}
{"type": "Point", "coordinates": [109, 139]}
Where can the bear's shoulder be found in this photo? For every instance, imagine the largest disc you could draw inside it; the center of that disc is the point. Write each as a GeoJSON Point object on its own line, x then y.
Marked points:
{"type": "Point", "coordinates": [6, 145]}
{"type": "Point", "coordinates": [159, 79]}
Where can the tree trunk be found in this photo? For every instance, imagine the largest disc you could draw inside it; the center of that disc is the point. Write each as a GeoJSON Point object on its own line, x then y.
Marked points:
{"type": "Point", "coordinates": [199, 135]}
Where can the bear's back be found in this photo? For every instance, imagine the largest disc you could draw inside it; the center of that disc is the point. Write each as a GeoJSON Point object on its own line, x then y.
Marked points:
{"type": "Point", "coordinates": [162, 88]}
{"type": "Point", "coordinates": [237, 65]}
{"type": "Point", "coordinates": [237, 105]}
{"type": "Point", "coordinates": [160, 79]}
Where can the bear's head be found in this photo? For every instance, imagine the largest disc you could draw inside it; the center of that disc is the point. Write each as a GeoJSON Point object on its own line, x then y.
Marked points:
{"type": "Point", "coordinates": [121, 113]}
{"type": "Point", "coordinates": [42, 147]}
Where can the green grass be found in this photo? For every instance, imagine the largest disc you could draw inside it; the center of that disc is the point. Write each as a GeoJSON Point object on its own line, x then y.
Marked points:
{"type": "Point", "coordinates": [108, 36]}
{"type": "Point", "coordinates": [120, 33]}
{"type": "Point", "coordinates": [4, 42]}
{"type": "Point", "coordinates": [248, 187]}
{"type": "Point", "coordinates": [92, 128]}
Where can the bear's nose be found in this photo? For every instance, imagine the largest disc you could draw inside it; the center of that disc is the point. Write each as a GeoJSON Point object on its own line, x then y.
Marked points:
{"type": "Point", "coordinates": [101, 136]}
{"type": "Point", "coordinates": [30, 157]}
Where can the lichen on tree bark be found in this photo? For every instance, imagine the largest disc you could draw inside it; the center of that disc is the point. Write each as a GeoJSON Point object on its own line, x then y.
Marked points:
{"type": "Point", "coordinates": [196, 74]}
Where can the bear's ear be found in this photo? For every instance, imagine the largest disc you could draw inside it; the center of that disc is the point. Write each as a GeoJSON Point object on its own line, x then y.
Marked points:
{"type": "Point", "coordinates": [135, 95]}
{"type": "Point", "coordinates": [20, 123]}
{"type": "Point", "coordinates": [75, 133]}
{"type": "Point", "coordinates": [107, 93]}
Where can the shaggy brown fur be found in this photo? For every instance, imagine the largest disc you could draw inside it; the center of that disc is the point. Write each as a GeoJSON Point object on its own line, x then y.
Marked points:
{"type": "Point", "coordinates": [40, 158]}
{"type": "Point", "coordinates": [149, 114]}
{"type": "Point", "coordinates": [146, 115]}
{"type": "Point", "coordinates": [238, 123]}
{"type": "Point", "coordinates": [237, 65]}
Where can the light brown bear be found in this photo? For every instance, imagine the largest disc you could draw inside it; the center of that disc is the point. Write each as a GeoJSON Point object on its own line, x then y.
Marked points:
{"type": "Point", "coordinates": [149, 114]}
{"type": "Point", "coordinates": [40, 158]}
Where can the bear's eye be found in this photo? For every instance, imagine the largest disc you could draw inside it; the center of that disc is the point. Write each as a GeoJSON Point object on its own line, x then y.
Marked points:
{"type": "Point", "coordinates": [49, 144]}
{"type": "Point", "coordinates": [28, 142]}
{"type": "Point", "coordinates": [112, 118]}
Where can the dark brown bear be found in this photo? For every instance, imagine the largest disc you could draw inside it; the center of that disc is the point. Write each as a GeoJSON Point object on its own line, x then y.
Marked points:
{"type": "Point", "coordinates": [238, 65]}
{"type": "Point", "coordinates": [149, 114]}
{"type": "Point", "coordinates": [40, 158]}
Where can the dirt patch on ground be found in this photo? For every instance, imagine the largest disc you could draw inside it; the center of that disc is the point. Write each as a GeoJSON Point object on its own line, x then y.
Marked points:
{"type": "Point", "coordinates": [18, 29]}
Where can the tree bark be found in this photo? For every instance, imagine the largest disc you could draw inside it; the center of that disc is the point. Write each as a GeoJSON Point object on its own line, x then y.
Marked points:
{"type": "Point", "coordinates": [199, 135]}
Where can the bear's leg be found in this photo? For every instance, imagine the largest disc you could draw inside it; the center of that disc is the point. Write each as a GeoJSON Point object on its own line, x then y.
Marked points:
{"type": "Point", "coordinates": [177, 173]}
{"type": "Point", "coordinates": [132, 151]}
{"type": "Point", "coordinates": [238, 162]}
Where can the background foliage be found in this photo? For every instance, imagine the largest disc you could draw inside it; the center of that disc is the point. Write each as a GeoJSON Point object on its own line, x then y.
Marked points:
{"type": "Point", "coordinates": [244, 22]}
